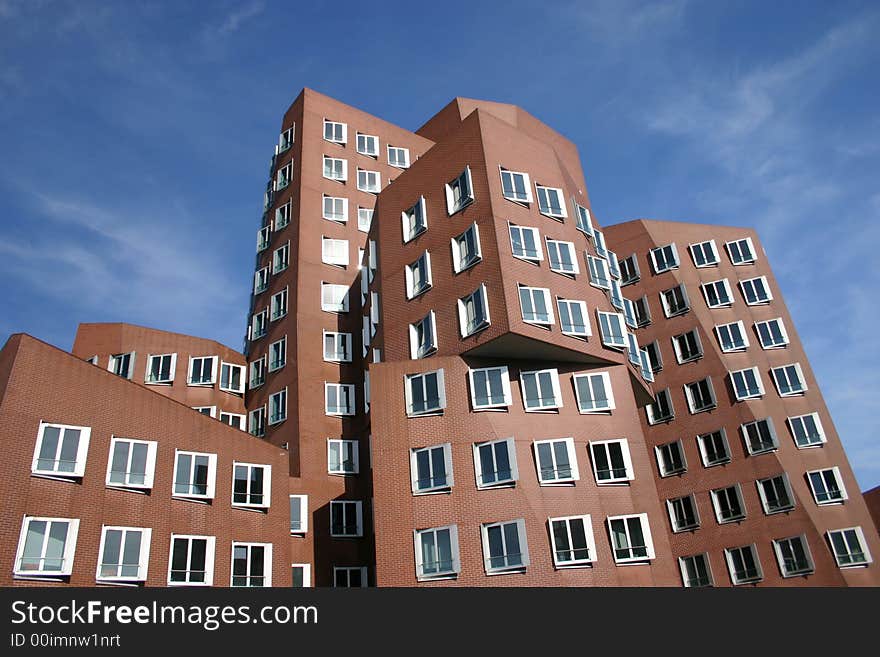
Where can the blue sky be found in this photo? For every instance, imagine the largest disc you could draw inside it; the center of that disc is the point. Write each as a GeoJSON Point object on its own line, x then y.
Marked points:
{"type": "Point", "coordinates": [135, 140]}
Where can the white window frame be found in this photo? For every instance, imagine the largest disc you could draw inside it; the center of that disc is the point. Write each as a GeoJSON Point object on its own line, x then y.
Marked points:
{"type": "Point", "coordinates": [149, 465]}
{"type": "Point", "coordinates": [367, 139]}
{"type": "Point", "coordinates": [361, 570]}
{"type": "Point", "coordinates": [210, 484]}
{"type": "Point", "coordinates": [784, 570]}
{"type": "Point", "coordinates": [615, 478]}
{"type": "Point", "coordinates": [143, 555]}
{"type": "Point", "coordinates": [285, 139]}
{"type": "Point", "coordinates": [210, 549]}
{"type": "Point", "coordinates": [630, 266]}
{"type": "Point", "coordinates": [573, 330]}
{"type": "Point", "coordinates": [668, 310]}
{"type": "Point", "coordinates": [459, 244]}
{"type": "Point", "coordinates": [673, 520]}
{"type": "Point", "coordinates": [283, 176]}
{"type": "Point", "coordinates": [665, 418]}
{"type": "Point", "coordinates": [511, 195]}
{"type": "Point", "coordinates": [278, 403]}
{"type": "Point", "coordinates": [276, 364]}
{"type": "Point", "coordinates": [411, 229]}
{"type": "Point", "coordinates": [345, 411]}
{"type": "Point", "coordinates": [524, 254]}
{"type": "Point", "coordinates": [816, 440]}
{"type": "Point", "coordinates": [267, 565]}
{"type": "Point", "coordinates": [462, 311]}
{"type": "Point", "coordinates": [747, 394]}
{"type": "Point", "coordinates": [306, 570]}
{"type": "Point", "coordinates": [609, 338]}
{"type": "Point", "coordinates": [160, 381]}
{"type": "Point", "coordinates": [336, 127]}
{"type": "Point", "coordinates": [261, 280]}
{"type": "Point", "coordinates": [256, 367]}
{"type": "Point", "coordinates": [583, 219]}
{"type": "Point", "coordinates": [448, 475]}
{"type": "Point", "coordinates": [662, 453]}
{"type": "Point", "coordinates": [762, 447]}
{"type": "Point", "coordinates": [680, 356]}
{"type": "Point", "coordinates": [669, 263]}
{"type": "Point", "coordinates": [704, 452]}
{"type": "Point", "coordinates": [67, 555]}
{"type": "Point", "coordinates": [335, 289]}
{"type": "Point", "coordinates": [556, 402]}
{"type": "Point", "coordinates": [282, 217]}
{"type": "Point", "coordinates": [505, 388]}
{"type": "Point", "coordinates": [599, 276]}
{"type": "Point", "coordinates": [548, 304]}
{"type": "Point", "coordinates": [338, 338]}
{"type": "Point", "coordinates": [599, 243]}
{"type": "Point", "coordinates": [715, 495]}
{"type": "Point", "coordinates": [691, 398]}
{"type": "Point", "coordinates": [333, 172]}
{"type": "Point", "coordinates": [334, 251]}
{"type": "Point", "coordinates": [733, 348]}
{"type": "Point", "coordinates": [749, 283]}
{"type": "Point", "coordinates": [737, 258]}
{"type": "Point", "coordinates": [364, 176]}
{"type": "Point", "coordinates": [838, 480]}
{"type": "Point", "coordinates": [281, 258]}
{"type": "Point", "coordinates": [728, 557]}
{"type": "Point", "coordinates": [410, 269]}
{"type": "Point", "coordinates": [227, 418]}
{"type": "Point", "coordinates": [259, 324]}
{"type": "Point", "coordinates": [359, 518]}
{"type": "Point", "coordinates": [646, 535]}
{"type": "Point", "coordinates": [267, 486]}
{"type": "Point", "coordinates": [582, 399]}
{"type": "Point", "coordinates": [702, 247]}
{"type": "Point", "coordinates": [859, 535]}
{"type": "Point", "coordinates": [365, 219]}
{"type": "Point", "coordinates": [344, 444]}
{"type": "Point", "coordinates": [257, 421]}
{"type": "Point", "coordinates": [510, 446]}
{"type": "Point", "coordinates": [558, 267]}
{"type": "Point", "coordinates": [437, 573]}
{"type": "Point", "coordinates": [119, 358]}
{"type": "Point", "coordinates": [523, 555]}
{"type": "Point", "coordinates": [780, 327]}
{"type": "Point", "coordinates": [777, 374]}
{"type": "Point", "coordinates": [556, 478]}
{"type": "Point", "coordinates": [303, 501]}
{"type": "Point", "coordinates": [416, 349]}
{"type": "Point", "coordinates": [590, 547]}
{"type": "Point", "coordinates": [331, 213]}
{"type": "Point", "coordinates": [546, 208]}
{"type": "Point", "coordinates": [765, 501]}
{"type": "Point", "coordinates": [451, 206]}
{"type": "Point", "coordinates": [718, 302]}
{"type": "Point", "coordinates": [411, 379]}
{"type": "Point", "coordinates": [82, 450]}
{"type": "Point", "coordinates": [689, 582]}
{"type": "Point", "coordinates": [395, 162]}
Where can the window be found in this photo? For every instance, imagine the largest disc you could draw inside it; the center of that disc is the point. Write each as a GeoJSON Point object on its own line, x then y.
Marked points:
{"type": "Point", "coordinates": [369, 181]}
{"type": "Point", "coordinates": [728, 504]}
{"type": "Point", "coordinates": [704, 254]}
{"type": "Point", "coordinates": [807, 430]}
{"type": "Point", "coordinates": [423, 336]}
{"type": "Point", "coordinates": [495, 463]}
{"type": "Point", "coordinates": [334, 298]}
{"type": "Point", "coordinates": [122, 364]}
{"type": "Point", "coordinates": [342, 456]}
{"type": "Point", "coordinates": [535, 304]}
{"type": "Point", "coordinates": [414, 220]}
{"type": "Point", "coordinates": [335, 132]}
{"type": "Point", "coordinates": [670, 458]}
{"type": "Point", "coordinates": [611, 461]}
{"type": "Point", "coordinates": [775, 493]}
{"type": "Point", "coordinates": [281, 258]}
{"type": "Point", "coordinates": [760, 436]}
{"type": "Point", "coordinates": [299, 514]}
{"type": "Point", "coordinates": [615, 295]}
{"type": "Point", "coordinates": [789, 380]}
{"type": "Point", "coordinates": [718, 294]}
{"type": "Point", "coordinates": [747, 384]}
{"type": "Point", "coordinates": [261, 280]}
{"type": "Point", "coordinates": [233, 420]}
{"type": "Point", "coordinates": [251, 485]}
{"type": "Point", "coordinates": [160, 369]}
{"type": "Point", "coordinates": [613, 267]}
{"type": "Point", "coordinates": [334, 252]}
{"type": "Point", "coordinates": [556, 461]}
{"type": "Point", "coordinates": [573, 319]}
{"type": "Point", "coordinates": [258, 373]}
{"type": "Point", "coordinates": [850, 547]}
{"type": "Point", "coordinates": [279, 304]}
{"type": "Point", "coordinates": [631, 538]}
{"type": "Point", "coordinates": [365, 219]}
{"type": "Point", "coordinates": [695, 571]}
{"type": "Point", "coordinates": [598, 272]}
{"type": "Point", "coordinates": [436, 551]}
{"type": "Point", "coordinates": [459, 192]}
{"type": "Point", "coordinates": [827, 486]}
{"type": "Point", "coordinates": [550, 202]}
{"type": "Point", "coordinates": [278, 354]}
{"type": "Point", "coordinates": [398, 157]}
{"type": "Point", "coordinates": [629, 270]}
{"type": "Point", "coordinates": [194, 475]}
{"type": "Point", "coordinates": [346, 518]}
{"type": "Point", "coordinates": [490, 388]}
{"type": "Point", "coordinates": [700, 395]}
{"type": "Point", "coordinates": [283, 176]}
{"type": "Point", "coordinates": [664, 258]}
{"type": "Point", "coordinates": [611, 327]}
{"type": "Point", "coordinates": [350, 576]}
{"type": "Point", "coordinates": [339, 398]}
{"type": "Point", "coordinates": [675, 301]}
{"type": "Point", "coordinates": [466, 249]}
{"type": "Point", "coordinates": [46, 547]}
{"type": "Point", "coordinates": [335, 168]}
{"type": "Point", "coordinates": [257, 422]}
{"type": "Point", "coordinates": [251, 564]}
{"type": "Point", "coordinates": [661, 409]}
{"type": "Point", "coordinates": [793, 555]}
{"type": "Point", "coordinates": [285, 140]}
{"type": "Point", "coordinates": [593, 392]}
{"type": "Point", "coordinates": [756, 291]}
{"type": "Point", "coordinates": [599, 239]}
{"type": "Point", "coordinates": [515, 186]}
{"type": "Point", "coordinates": [259, 323]}
{"type": "Point", "coordinates": [124, 554]}
{"type": "Point", "coordinates": [431, 469]}
{"type": "Point", "coordinates": [301, 575]}
{"type": "Point", "coordinates": [732, 337]}
{"type": "Point", "coordinates": [687, 346]}
{"type": "Point", "coordinates": [61, 450]}
{"type": "Point", "coordinates": [278, 406]}
{"type": "Point", "coordinates": [418, 276]}
{"type": "Point", "coordinates": [210, 411]}
{"type": "Point", "coordinates": [714, 449]}
{"type": "Point", "coordinates": [655, 359]}
{"type": "Point", "coordinates": [772, 333]}
{"type": "Point", "coordinates": [683, 513]}
{"type": "Point", "coordinates": [741, 252]}
{"type": "Point", "coordinates": [642, 311]}
{"type": "Point", "coordinates": [282, 216]}
{"type": "Point", "coordinates": [473, 312]}
{"type": "Point", "coordinates": [132, 463]}
{"type": "Point", "coordinates": [743, 565]}
{"type": "Point", "coordinates": [335, 209]}
{"type": "Point", "coordinates": [337, 347]}
{"type": "Point", "coordinates": [572, 541]}
{"type": "Point", "coordinates": [583, 221]}
{"type": "Point", "coordinates": [368, 145]}
{"type": "Point", "coordinates": [192, 560]}
{"type": "Point", "coordinates": [525, 243]}
{"type": "Point", "coordinates": [645, 365]}
{"type": "Point", "coordinates": [629, 314]}
{"type": "Point", "coordinates": [425, 393]}
{"type": "Point", "coordinates": [504, 546]}
{"type": "Point", "coordinates": [540, 390]}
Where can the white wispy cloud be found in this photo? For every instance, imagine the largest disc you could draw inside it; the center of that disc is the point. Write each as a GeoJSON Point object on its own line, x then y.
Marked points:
{"type": "Point", "coordinates": [235, 19]}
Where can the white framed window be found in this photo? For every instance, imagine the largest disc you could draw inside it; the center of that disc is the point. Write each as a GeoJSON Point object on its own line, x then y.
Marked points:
{"type": "Point", "coordinates": [261, 280]}
{"type": "Point", "coordinates": [423, 336]}
{"type": "Point", "coordinates": [696, 571]}
{"type": "Point", "coordinates": [334, 298]}
{"type": "Point", "coordinates": [335, 208]}
{"type": "Point", "coordinates": [259, 324]}
{"type": "Point", "coordinates": [334, 251]}
{"type": "Point", "coordinates": [536, 305]}
{"type": "Point", "coordinates": [688, 346]}
{"type": "Point", "coordinates": [278, 354]}
{"type": "Point", "coordinates": [283, 176]}
{"type": "Point", "coordinates": [301, 575]}
{"type": "Point", "coordinates": [642, 311]}
{"type": "Point", "coordinates": [278, 305]}
{"type": "Point", "coordinates": [282, 216]}
{"type": "Point", "coordinates": [281, 258]}
{"type": "Point", "coordinates": [490, 388]}
{"type": "Point", "coordinates": [743, 565]}
{"type": "Point", "coordinates": [431, 469]}
{"type": "Point", "coordinates": [299, 514]}
{"type": "Point", "coordinates": [556, 461]}
{"type": "Point", "coordinates": [398, 157]}
{"type": "Point", "coordinates": [756, 291]}
{"type": "Point", "coordinates": [285, 139]}
{"type": "Point", "coordinates": [123, 554]}
{"type": "Point", "coordinates": [661, 409]}
{"type": "Point", "coordinates": [336, 168]}
{"type": "Point", "coordinates": [257, 422]}
{"type": "Point", "coordinates": [515, 186]}
{"type": "Point", "coordinates": [551, 202]}
{"type": "Point", "coordinates": [46, 547]}
{"type": "Point", "coordinates": [741, 252]}
{"type": "Point", "coordinates": [251, 485]}
{"type": "Point", "coordinates": [459, 192]}
{"type": "Point", "coordinates": [807, 430]}
{"type": "Point", "coordinates": [369, 181]}
{"type": "Point", "coordinates": [258, 372]}
{"type": "Point", "coordinates": [368, 145]}
{"type": "Point", "coordinates": [759, 436]}
{"type": "Point", "coordinates": [664, 258]}
{"type": "Point", "coordinates": [339, 398]}
{"type": "Point", "coordinates": [732, 337]}
{"type": "Point", "coordinates": [365, 219]}
{"type": "Point", "coordinates": [132, 463]}
{"type": "Point", "coordinates": [718, 294]}
{"type": "Point", "coordinates": [251, 564]}
{"type": "Point", "coordinates": [233, 420]}
{"type": "Point", "coordinates": [728, 504]}
{"type": "Point", "coordinates": [655, 358]}
{"type": "Point", "coordinates": [599, 243]}
{"type": "Point", "coordinates": [195, 474]}
{"type": "Point", "coordinates": [122, 364]}
{"type": "Point", "coordinates": [631, 538]}
{"type": "Point", "coordinates": [335, 132]}
{"type": "Point", "coordinates": [611, 461]}
{"type": "Point", "coordinates": [593, 392]}
{"type": "Point", "coordinates": [572, 541]}
{"type": "Point", "coordinates": [793, 556]}
{"type": "Point", "coordinates": [775, 493]}
{"type": "Point", "coordinates": [772, 333]}
{"type": "Point", "coordinates": [704, 254]}
{"type": "Point", "coordinates": [599, 272]}
{"type": "Point", "coordinates": [629, 270]}
{"type": "Point", "coordinates": [342, 456]}
{"type": "Point", "coordinates": [418, 276]}
{"type": "Point", "coordinates": [747, 384]}
{"type": "Point", "coordinates": [683, 514]}
{"type": "Point", "coordinates": [61, 450]}
{"type": "Point", "coordinates": [714, 449]}
{"type": "Point", "coordinates": [700, 395]}
{"type": "Point", "coordinates": [849, 547]}
{"type": "Point", "coordinates": [573, 317]}
{"type": "Point", "coordinates": [540, 390]}
{"type": "Point", "coordinates": [191, 562]}
{"type": "Point", "coordinates": [278, 406]}
{"type": "Point", "coordinates": [346, 518]}
{"type": "Point", "coordinates": [615, 295]}
{"type": "Point", "coordinates": [414, 220]}
{"type": "Point", "coordinates": [473, 311]}
{"type": "Point", "coordinates": [505, 548]}
{"type": "Point", "coordinates": [425, 393]}
{"type": "Point", "coordinates": [495, 463]}
{"type": "Point", "coordinates": [613, 267]}
{"type": "Point", "coordinates": [645, 365]}
{"type": "Point", "coordinates": [349, 577]}
{"type": "Point", "coordinates": [611, 327]}
{"type": "Point", "coordinates": [160, 368]}
{"type": "Point", "coordinates": [436, 551]}
{"type": "Point", "coordinates": [827, 486]}
{"type": "Point", "coordinates": [632, 350]}
{"type": "Point", "coordinates": [210, 411]}
{"type": "Point", "coordinates": [675, 301]}
{"type": "Point", "coordinates": [466, 250]}
{"type": "Point", "coordinates": [525, 243]}
{"type": "Point", "coordinates": [670, 458]}
{"type": "Point", "coordinates": [337, 347]}
{"type": "Point", "coordinates": [562, 257]}
{"type": "Point", "coordinates": [789, 380]}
